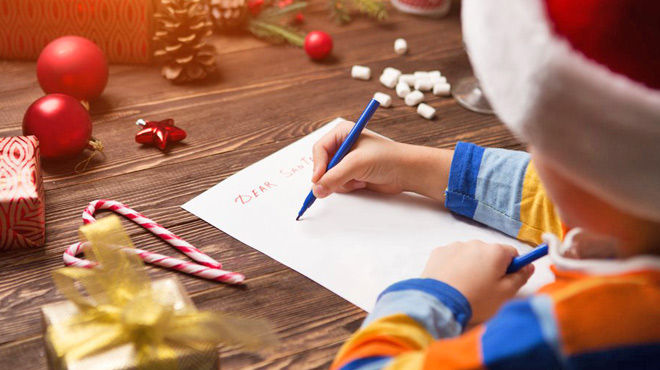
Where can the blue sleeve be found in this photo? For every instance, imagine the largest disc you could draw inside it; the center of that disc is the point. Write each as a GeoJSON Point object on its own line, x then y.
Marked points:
{"type": "Point", "coordinates": [441, 309]}
{"type": "Point", "coordinates": [486, 185]}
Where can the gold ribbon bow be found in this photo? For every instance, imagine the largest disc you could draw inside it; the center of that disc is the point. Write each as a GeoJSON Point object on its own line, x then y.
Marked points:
{"type": "Point", "coordinates": [119, 306]}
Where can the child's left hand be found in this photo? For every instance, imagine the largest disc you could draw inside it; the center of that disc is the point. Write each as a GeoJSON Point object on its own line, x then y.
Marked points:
{"type": "Point", "coordinates": [478, 271]}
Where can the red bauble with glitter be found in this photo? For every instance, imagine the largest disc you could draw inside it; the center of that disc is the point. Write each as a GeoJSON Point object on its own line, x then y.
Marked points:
{"type": "Point", "coordinates": [74, 66]}
{"type": "Point", "coordinates": [62, 125]}
{"type": "Point", "coordinates": [318, 44]}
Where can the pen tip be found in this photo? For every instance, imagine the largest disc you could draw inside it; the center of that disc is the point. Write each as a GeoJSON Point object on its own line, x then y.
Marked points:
{"type": "Point", "coordinates": [298, 218]}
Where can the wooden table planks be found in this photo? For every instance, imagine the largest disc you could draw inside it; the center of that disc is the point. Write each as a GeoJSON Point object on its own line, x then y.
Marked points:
{"type": "Point", "coordinates": [264, 98]}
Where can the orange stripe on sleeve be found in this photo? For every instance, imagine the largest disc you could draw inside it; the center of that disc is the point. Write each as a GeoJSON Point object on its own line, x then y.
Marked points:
{"type": "Point", "coordinates": [463, 352]}
{"type": "Point", "coordinates": [597, 313]}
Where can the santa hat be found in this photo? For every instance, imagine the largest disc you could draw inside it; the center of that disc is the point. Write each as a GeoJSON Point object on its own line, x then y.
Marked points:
{"type": "Point", "coordinates": [579, 81]}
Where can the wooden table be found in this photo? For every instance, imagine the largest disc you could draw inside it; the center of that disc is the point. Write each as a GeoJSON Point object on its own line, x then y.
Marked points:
{"type": "Point", "coordinates": [264, 98]}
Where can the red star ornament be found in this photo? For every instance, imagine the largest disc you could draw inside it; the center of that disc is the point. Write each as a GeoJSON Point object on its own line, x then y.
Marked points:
{"type": "Point", "coordinates": [159, 133]}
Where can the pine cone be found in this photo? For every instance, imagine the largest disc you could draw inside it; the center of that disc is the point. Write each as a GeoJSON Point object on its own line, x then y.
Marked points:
{"type": "Point", "coordinates": [183, 24]}
{"type": "Point", "coordinates": [228, 15]}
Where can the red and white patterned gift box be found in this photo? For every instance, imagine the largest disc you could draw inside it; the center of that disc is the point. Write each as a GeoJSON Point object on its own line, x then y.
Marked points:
{"type": "Point", "coordinates": [22, 206]}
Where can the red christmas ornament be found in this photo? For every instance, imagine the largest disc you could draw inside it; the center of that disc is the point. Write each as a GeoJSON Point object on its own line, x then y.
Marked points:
{"type": "Point", "coordinates": [159, 133]}
{"type": "Point", "coordinates": [74, 66]}
{"type": "Point", "coordinates": [255, 6]}
{"type": "Point", "coordinates": [62, 125]}
{"type": "Point", "coordinates": [318, 44]}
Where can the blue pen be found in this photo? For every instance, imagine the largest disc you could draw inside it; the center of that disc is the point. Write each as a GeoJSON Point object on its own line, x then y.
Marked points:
{"type": "Point", "coordinates": [345, 147]}
{"type": "Point", "coordinates": [527, 258]}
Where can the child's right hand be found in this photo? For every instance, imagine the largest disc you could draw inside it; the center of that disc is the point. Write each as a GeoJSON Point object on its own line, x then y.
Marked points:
{"type": "Point", "coordinates": [478, 271]}
{"type": "Point", "coordinates": [379, 164]}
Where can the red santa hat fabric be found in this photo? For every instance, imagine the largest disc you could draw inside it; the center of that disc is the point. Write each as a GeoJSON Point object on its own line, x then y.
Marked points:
{"type": "Point", "coordinates": [580, 81]}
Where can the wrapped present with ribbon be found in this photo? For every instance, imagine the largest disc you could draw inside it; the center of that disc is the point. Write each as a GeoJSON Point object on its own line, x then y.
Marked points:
{"type": "Point", "coordinates": [121, 28]}
{"type": "Point", "coordinates": [116, 318]}
{"type": "Point", "coordinates": [22, 205]}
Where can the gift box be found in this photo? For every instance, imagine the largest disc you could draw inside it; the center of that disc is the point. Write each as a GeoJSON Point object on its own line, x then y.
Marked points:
{"type": "Point", "coordinates": [22, 206]}
{"type": "Point", "coordinates": [58, 316]}
{"type": "Point", "coordinates": [115, 317]}
{"type": "Point", "coordinates": [122, 28]}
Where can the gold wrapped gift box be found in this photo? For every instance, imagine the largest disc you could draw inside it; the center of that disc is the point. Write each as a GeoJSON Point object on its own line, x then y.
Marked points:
{"type": "Point", "coordinates": [124, 356]}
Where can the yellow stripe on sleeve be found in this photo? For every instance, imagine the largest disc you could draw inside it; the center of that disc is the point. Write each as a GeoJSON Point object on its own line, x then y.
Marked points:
{"type": "Point", "coordinates": [537, 212]}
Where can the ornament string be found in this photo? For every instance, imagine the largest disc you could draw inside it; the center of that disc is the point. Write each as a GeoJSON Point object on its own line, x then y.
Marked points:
{"type": "Point", "coordinates": [97, 147]}
{"type": "Point", "coordinates": [207, 267]}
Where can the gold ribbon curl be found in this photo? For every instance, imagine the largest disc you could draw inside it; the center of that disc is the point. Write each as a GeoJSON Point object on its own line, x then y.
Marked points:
{"type": "Point", "coordinates": [118, 306]}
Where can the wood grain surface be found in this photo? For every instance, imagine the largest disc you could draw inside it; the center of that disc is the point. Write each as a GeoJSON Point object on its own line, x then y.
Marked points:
{"type": "Point", "coordinates": [264, 98]}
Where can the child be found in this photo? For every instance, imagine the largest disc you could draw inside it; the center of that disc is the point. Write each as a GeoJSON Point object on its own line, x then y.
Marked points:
{"type": "Point", "coordinates": [579, 82]}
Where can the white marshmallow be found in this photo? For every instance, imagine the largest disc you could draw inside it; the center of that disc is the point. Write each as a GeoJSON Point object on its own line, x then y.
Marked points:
{"type": "Point", "coordinates": [402, 89]}
{"type": "Point", "coordinates": [389, 80]}
{"type": "Point", "coordinates": [392, 71]}
{"type": "Point", "coordinates": [442, 89]}
{"type": "Point", "coordinates": [435, 74]}
{"type": "Point", "coordinates": [423, 85]}
{"type": "Point", "coordinates": [438, 80]}
{"type": "Point", "coordinates": [426, 111]}
{"type": "Point", "coordinates": [384, 99]}
{"type": "Point", "coordinates": [421, 75]}
{"type": "Point", "coordinates": [400, 46]}
{"type": "Point", "coordinates": [361, 73]}
{"type": "Point", "coordinates": [414, 98]}
{"type": "Point", "coordinates": [409, 79]}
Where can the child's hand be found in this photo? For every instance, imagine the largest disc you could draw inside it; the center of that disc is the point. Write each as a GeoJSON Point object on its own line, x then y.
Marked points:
{"type": "Point", "coordinates": [478, 270]}
{"type": "Point", "coordinates": [380, 165]}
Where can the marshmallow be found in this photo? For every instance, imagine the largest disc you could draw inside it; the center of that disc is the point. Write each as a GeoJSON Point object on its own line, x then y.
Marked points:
{"type": "Point", "coordinates": [438, 80]}
{"type": "Point", "coordinates": [402, 89]}
{"type": "Point", "coordinates": [434, 75]}
{"type": "Point", "coordinates": [400, 46]}
{"type": "Point", "coordinates": [423, 85]}
{"type": "Point", "coordinates": [384, 99]}
{"type": "Point", "coordinates": [414, 98]}
{"type": "Point", "coordinates": [389, 79]}
{"type": "Point", "coordinates": [426, 111]}
{"type": "Point", "coordinates": [409, 79]}
{"type": "Point", "coordinates": [441, 89]}
{"type": "Point", "coordinates": [361, 73]}
{"type": "Point", "coordinates": [392, 71]}
{"type": "Point", "coordinates": [421, 75]}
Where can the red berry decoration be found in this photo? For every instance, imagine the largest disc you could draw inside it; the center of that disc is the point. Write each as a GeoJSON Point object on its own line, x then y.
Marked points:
{"type": "Point", "coordinates": [74, 66]}
{"type": "Point", "coordinates": [62, 125]}
{"type": "Point", "coordinates": [318, 44]}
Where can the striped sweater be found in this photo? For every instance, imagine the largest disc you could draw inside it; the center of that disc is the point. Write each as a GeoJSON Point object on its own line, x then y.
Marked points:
{"type": "Point", "coordinates": [596, 315]}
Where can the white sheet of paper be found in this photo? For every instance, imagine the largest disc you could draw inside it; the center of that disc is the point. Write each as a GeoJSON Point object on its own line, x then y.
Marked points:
{"type": "Point", "coordinates": [353, 244]}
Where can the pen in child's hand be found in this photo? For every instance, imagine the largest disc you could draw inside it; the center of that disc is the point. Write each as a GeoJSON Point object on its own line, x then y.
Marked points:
{"type": "Point", "coordinates": [527, 258]}
{"type": "Point", "coordinates": [344, 148]}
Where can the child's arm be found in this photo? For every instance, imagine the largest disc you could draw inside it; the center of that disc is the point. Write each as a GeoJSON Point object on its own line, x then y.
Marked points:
{"type": "Point", "coordinates": [496, 187]}
{"type": "Point", "coordinates": [419, 323]}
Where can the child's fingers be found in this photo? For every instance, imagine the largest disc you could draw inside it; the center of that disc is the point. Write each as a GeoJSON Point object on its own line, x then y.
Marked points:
{"type": "Point", "coordinates": [514, 281]}
{"type": "Point", "coordinates": [339, 175]}
{"type": "Point", "coordinates": [326, 147]}
{"type": "Point", "coordinates": [352, 186]}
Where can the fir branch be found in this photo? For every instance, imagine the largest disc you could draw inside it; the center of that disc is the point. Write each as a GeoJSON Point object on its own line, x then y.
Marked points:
{"type": "Point", "coordinates": [275, 14]}
{"type": "Point", "coordinates": [275, 32]}
{"type": "Point", "coordinates": [340, 9]}
{"type": "Point", "coordinates": [373, 8]}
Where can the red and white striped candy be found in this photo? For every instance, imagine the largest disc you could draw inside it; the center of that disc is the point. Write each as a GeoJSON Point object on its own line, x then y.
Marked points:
{"type": "Point", "coordinates": [208, 268]}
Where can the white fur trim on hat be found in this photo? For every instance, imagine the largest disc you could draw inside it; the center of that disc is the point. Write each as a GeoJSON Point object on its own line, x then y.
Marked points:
{"type": "Point", "coordinates": [600, 128]}
{"type": "Point", "coordinates": [558, 248]}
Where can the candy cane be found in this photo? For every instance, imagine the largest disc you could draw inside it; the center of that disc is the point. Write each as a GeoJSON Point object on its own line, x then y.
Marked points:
{"type": "Point", "coordinates": [207, 269]}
